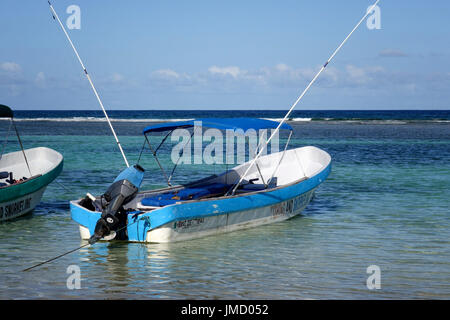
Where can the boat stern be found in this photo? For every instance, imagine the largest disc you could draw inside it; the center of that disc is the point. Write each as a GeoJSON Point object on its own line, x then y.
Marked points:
{"type": "Point", "coordinates": [136, 227]}
{"type": "Point", "coordinates": [85, 218]}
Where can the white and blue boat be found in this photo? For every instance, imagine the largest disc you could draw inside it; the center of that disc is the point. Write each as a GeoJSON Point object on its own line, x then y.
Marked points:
{"type": "Point", "coordinates": [271, 188]}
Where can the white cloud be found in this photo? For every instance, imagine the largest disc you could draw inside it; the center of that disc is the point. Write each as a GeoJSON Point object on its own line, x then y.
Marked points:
{"type": "Point", "coordinates": [357, 75]}
{"type": "Point", "coordinates": [11, 78]}
{"type": "Point", "coordinates": [280, 78]}
{"type": "Point", "coordinates": [235, 79]}
{"type": "Point", "coordinates": [282, 67]}
{"type": "Point", "coordinates": [116, 77]}
{"type": "Point", "coordinates": [40, 80]}
{"type": "Point", "coordinates": [10, 67]}
{"type": "Point", "coordinates": [362, 76]}
{"type": "Point", "coordinates": [166, 73]}
{"type": "Point", "coordinates": [392, 53]}
{"type": "Point", "coordinates": [232, 71]}
{"type": "Point", "coordinates": [169, 79]}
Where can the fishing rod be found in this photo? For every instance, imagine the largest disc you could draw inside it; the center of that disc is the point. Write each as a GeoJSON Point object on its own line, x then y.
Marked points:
{"type": "Point", "coordinates": [76, 249]}
{"type": "Point", "coordinates": [52, 259]}
{"type": "Point", "coordinates": [301, 96]}
{"type": "Point", "coordinates": [55, 16]}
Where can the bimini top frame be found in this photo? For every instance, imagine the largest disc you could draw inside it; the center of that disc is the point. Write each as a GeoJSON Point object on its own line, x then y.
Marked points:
{"type": "Point", "coordinates": [217, 123]}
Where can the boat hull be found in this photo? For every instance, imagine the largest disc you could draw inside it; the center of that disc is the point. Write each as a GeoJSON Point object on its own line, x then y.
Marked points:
{"type": "Point", "coordinates": [20, 206]}
{"type": "Point", "coordinates": [195, 219]}
{"type": "Point", "coordinates": [182, 230]}
{"type": "Point", "coordinates": [21, 198]}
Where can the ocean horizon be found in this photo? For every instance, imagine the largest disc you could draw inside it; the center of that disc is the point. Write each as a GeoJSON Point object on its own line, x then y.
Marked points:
{"type": "Point", "coordinates": [350, 116]}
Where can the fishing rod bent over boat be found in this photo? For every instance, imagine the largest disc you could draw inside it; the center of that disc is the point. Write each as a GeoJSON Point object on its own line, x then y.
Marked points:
{"type": "Point", "coordinates": [55, 16]}
{"type": "Point", "coordinates": [262, 147]}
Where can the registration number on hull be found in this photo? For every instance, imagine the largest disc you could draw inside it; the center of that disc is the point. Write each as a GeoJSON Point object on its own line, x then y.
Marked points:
{"type": "Point", "coordinates": [291, 206]}
{"type": "Point", "coordinates": [185, 224]}
{"type": "Point", "coordinates": [14, 208]}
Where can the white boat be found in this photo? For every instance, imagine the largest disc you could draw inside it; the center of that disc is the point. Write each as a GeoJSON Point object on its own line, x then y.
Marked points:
{"type": "Point", "coordinates": [24, 176]}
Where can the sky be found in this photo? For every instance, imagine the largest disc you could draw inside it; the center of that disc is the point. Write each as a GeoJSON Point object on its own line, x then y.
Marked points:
{"type": "Point", "coordinates": [173, 55]}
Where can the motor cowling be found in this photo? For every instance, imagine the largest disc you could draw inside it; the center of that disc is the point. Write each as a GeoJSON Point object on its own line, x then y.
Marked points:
{"type": "Point", "coordinates": [119, 193]}
{"type": "Point", "coordinates": [112, 201]}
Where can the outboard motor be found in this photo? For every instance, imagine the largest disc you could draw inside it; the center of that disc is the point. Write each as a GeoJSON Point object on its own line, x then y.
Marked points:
{"type": "Point", "coordinates": [120, 192]}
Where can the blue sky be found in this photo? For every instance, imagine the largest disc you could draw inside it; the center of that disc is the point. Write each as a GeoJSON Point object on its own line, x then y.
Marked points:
{"type": "Point", "coordinates": [225, 55]}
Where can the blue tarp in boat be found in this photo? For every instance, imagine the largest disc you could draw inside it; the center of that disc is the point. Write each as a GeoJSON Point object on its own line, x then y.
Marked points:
{"type": "Point", "coordinates": [172, 197]}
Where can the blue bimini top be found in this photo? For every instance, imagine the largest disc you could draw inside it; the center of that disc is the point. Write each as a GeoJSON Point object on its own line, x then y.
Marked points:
{"type": "Point", "coordinates": [219, 123]}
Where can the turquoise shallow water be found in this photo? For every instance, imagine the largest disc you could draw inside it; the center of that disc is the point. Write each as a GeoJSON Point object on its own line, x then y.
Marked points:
{"type": "Point", "coordinates": [385, 203]}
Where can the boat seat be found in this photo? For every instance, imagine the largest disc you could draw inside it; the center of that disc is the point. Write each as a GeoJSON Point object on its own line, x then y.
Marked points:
{"type": "Point", "coordinates": [252, 187]}
{"type": "Point", "coordinates": [246, 186]}
{"type": "Point", "coordinates": [4, 174]}
{"type": "Point", "coordinates": [164, 199]}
